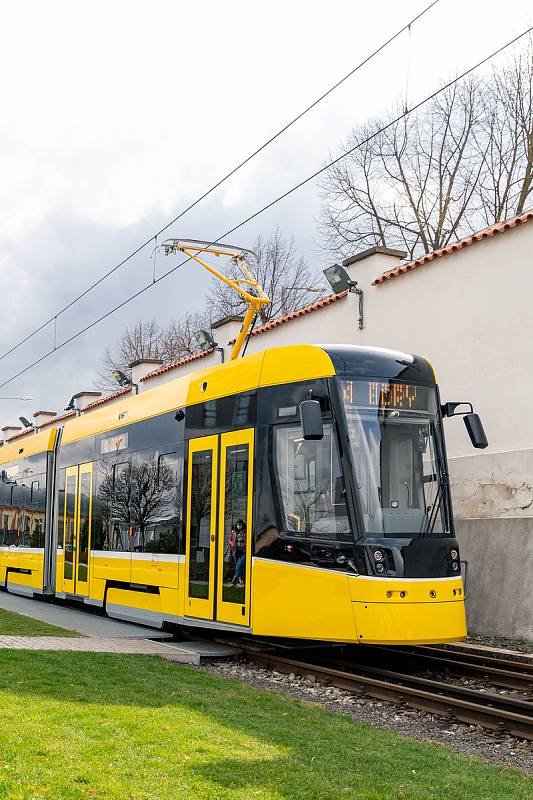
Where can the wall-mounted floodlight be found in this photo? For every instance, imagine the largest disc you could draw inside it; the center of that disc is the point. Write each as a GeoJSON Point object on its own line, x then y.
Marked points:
{"type": "Point", "coordinates": [204, 339]}
{"type": "Point", "coordinates": [206, 342]}
{"type": "Point", "coordinates": [25, 422]}
{"type": "Point", "coordinates": [340, 281]}
{"type": "Point", "coordinates": [338, 278]}
{"type": "Point", "coordinates": [123, 380]}
{"type": "Point", "coordinates": [120, 378]}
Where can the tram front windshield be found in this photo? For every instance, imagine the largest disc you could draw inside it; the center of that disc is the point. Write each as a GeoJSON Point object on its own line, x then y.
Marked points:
{"type": "Point", "coordinates": [397, 457]}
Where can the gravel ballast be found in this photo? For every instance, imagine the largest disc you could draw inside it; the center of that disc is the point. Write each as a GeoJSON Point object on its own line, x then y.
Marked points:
{"type": "Point", "coordinates": [494, 747]}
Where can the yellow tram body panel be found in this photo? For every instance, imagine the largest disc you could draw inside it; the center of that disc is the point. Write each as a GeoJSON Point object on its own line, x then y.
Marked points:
{"type": "Point", "coordinates": [42, 442]}
{"type": "Point", "coordinates": [301, 601]}
{"type": "Point", "coordinates": [404, 610]}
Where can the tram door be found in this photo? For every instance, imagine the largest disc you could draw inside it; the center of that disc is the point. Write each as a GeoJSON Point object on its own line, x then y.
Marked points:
{"type": "Point", "coordinates": [77, 528]}
{"type": "Point", "coordinates": [219, 535]}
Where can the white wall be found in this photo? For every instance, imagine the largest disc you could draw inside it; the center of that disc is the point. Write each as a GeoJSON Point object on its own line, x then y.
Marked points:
{"type": "Point", "coordinates": [470, 312]}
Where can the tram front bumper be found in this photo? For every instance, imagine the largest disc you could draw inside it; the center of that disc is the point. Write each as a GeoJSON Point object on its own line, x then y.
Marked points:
{"type": "Point", "coordinates": [414, 611]}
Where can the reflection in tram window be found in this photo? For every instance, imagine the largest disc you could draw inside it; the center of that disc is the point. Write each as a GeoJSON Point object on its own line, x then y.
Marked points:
{"type": "Point", "coordinates": [312, 487]}
{"type": "Point", "coordinates": [70, 509]}
{"type": "Point", "coordinates": [136, 503]}
{"type": "Point", "coordinates": [22, 505]}
{"type": "Point", "coordinates": [60, 509]}
{"type": "Point", "coordinates": [111, 506]}
{"type": "Point", "coordinates": [155, 508]}
{"type": "Point", "coordinates": [235, 524]}
{"type": "Point", "coordinates": [84, 534]}
{"type": "Point", "coordinates": [200, 523]}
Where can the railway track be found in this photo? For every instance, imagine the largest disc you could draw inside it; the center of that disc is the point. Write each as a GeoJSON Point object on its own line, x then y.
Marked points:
{"type": "Point", "coordinates": [503, 713]}
{"type": "Point", "coordinates": [500, 672]}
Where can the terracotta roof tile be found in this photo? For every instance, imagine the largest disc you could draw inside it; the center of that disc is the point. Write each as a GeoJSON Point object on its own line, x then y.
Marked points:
{"type": "Point", "coordinates": [53, 421]}
{"type": "Point", "coordinates": [22, 433]}
{"type": "Point", "coordinates": [177, 364]}
{"type": "Point", "coordinates": [299, 312]}
{"type": "Point", "coordinates": [107, 399]}
{"type": "Point", "coordinates": [486, 233]}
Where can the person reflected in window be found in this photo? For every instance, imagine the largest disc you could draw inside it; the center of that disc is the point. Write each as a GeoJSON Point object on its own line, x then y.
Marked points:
{"type": "Point", "coordinates": [237, 546]}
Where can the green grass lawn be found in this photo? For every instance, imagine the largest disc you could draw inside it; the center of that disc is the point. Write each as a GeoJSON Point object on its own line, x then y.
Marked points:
{"type": "Point", "coordinates": [85, 725]}
{"type": "Point", "coordinates": [12, 624]}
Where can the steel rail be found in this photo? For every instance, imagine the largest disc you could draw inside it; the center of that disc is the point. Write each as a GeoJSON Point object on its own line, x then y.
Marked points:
{"type": "Point", "coordinates": [504, 677]}
{"type": "Point", "coordinates": [457, 651]}
{"type": "Point", "coordinates": [505, 673]}
{"type": "Point", "coordinates": [496, 712]}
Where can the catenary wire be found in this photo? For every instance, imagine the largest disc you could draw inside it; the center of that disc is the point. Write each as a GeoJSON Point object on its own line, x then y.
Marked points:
{"type": "Point", "coordinates": [240, 165]}
{"type": "Point", "coordinates": [276, 200]}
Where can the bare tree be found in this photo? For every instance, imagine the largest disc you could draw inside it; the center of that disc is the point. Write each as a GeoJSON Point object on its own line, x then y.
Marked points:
{"type": "Point", "coordinates": [460, 162]}
{"type": "Point", "coordinates": [506, 147]}
{"type": "Point", "coordinates": [410, 185]}
{"type": "Point", "coordinates": [148, 339]}
{"type": "Point", "coordinates": [283, 274]}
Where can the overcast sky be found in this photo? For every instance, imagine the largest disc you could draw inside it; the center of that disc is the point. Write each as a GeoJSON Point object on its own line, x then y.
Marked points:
{"type": "Point", "coordinates": [115, 115]}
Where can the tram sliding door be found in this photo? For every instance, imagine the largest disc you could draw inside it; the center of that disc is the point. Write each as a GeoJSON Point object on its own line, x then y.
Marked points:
{"type": "Point", "coordinates": [77, 529]}
{"type": "Point", "coordinates": [234, 531]}
{"type": "Point", "coordinates": [201, 526]}
{"type": "Point", "coordinates": [219, 513]}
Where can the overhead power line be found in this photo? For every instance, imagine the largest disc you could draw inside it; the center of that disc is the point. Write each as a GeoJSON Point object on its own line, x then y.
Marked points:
{"type": "Point", "coordinates": [215, 186]}
{"type": "Point", "coordinates": [276, 200]}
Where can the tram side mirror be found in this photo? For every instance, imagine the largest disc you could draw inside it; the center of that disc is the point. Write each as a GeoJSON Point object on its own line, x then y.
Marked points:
{"type": "Point", "coordinates": [311, 419]}
{"type": "Point", "coordinates": [474, 426]}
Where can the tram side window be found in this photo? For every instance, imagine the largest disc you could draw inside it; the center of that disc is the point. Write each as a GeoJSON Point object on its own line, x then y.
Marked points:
{"type": "Point", "coordinates": [137, 503]}
{"type": "Point", "coordinates": [313, 495]}
{"type": "Point", "coordinates": [22, 509]}
{"type": "Point", "coordinates": [111, 514]}
{"type": "Point", "coordinates": [156, 501]}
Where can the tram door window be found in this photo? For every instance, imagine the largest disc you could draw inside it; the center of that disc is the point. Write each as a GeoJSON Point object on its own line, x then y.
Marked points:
{"type": "Point", "coordinates": [69, 522]}
{"type": "Point", "coordinates": [218, 554]}
{"type": "Point", "coordinates": [77, 529]}
{"type": "Point", "coordinates": [201, 521]}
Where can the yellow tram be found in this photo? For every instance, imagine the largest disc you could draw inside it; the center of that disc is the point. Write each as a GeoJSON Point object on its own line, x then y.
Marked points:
{"type": "Point", "coordinates": [297, 492]}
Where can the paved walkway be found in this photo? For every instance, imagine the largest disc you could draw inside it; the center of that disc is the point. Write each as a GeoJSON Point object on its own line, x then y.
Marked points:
{"type": "Point", "coordinates": [85, 621]}
{"type": "Point", "coordinates": [189, 653]}
{"type": "Point", "coordinates": [104, 635]}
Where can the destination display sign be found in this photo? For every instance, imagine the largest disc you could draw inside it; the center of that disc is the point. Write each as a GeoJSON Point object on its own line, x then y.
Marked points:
{"type": "Point", "coordinates": [389, 395]}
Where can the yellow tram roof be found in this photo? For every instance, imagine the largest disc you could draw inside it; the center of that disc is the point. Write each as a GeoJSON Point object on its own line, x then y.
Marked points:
{"type": "Point", "coordinates": [24, 446]}
{"type": "Point", "coordinates": [269, 367]}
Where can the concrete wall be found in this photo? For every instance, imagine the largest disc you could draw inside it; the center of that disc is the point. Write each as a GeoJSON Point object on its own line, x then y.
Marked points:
{"type": "Point", "coordinates": [499, 592]}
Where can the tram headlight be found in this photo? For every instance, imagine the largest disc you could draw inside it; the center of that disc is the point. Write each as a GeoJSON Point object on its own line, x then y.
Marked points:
{"type": "Point", "coordinates": [379, 555]}
{"type": "Point", "coordinates": [455, 566]}
{"type": "Point", "coordinates": [454, 554]}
